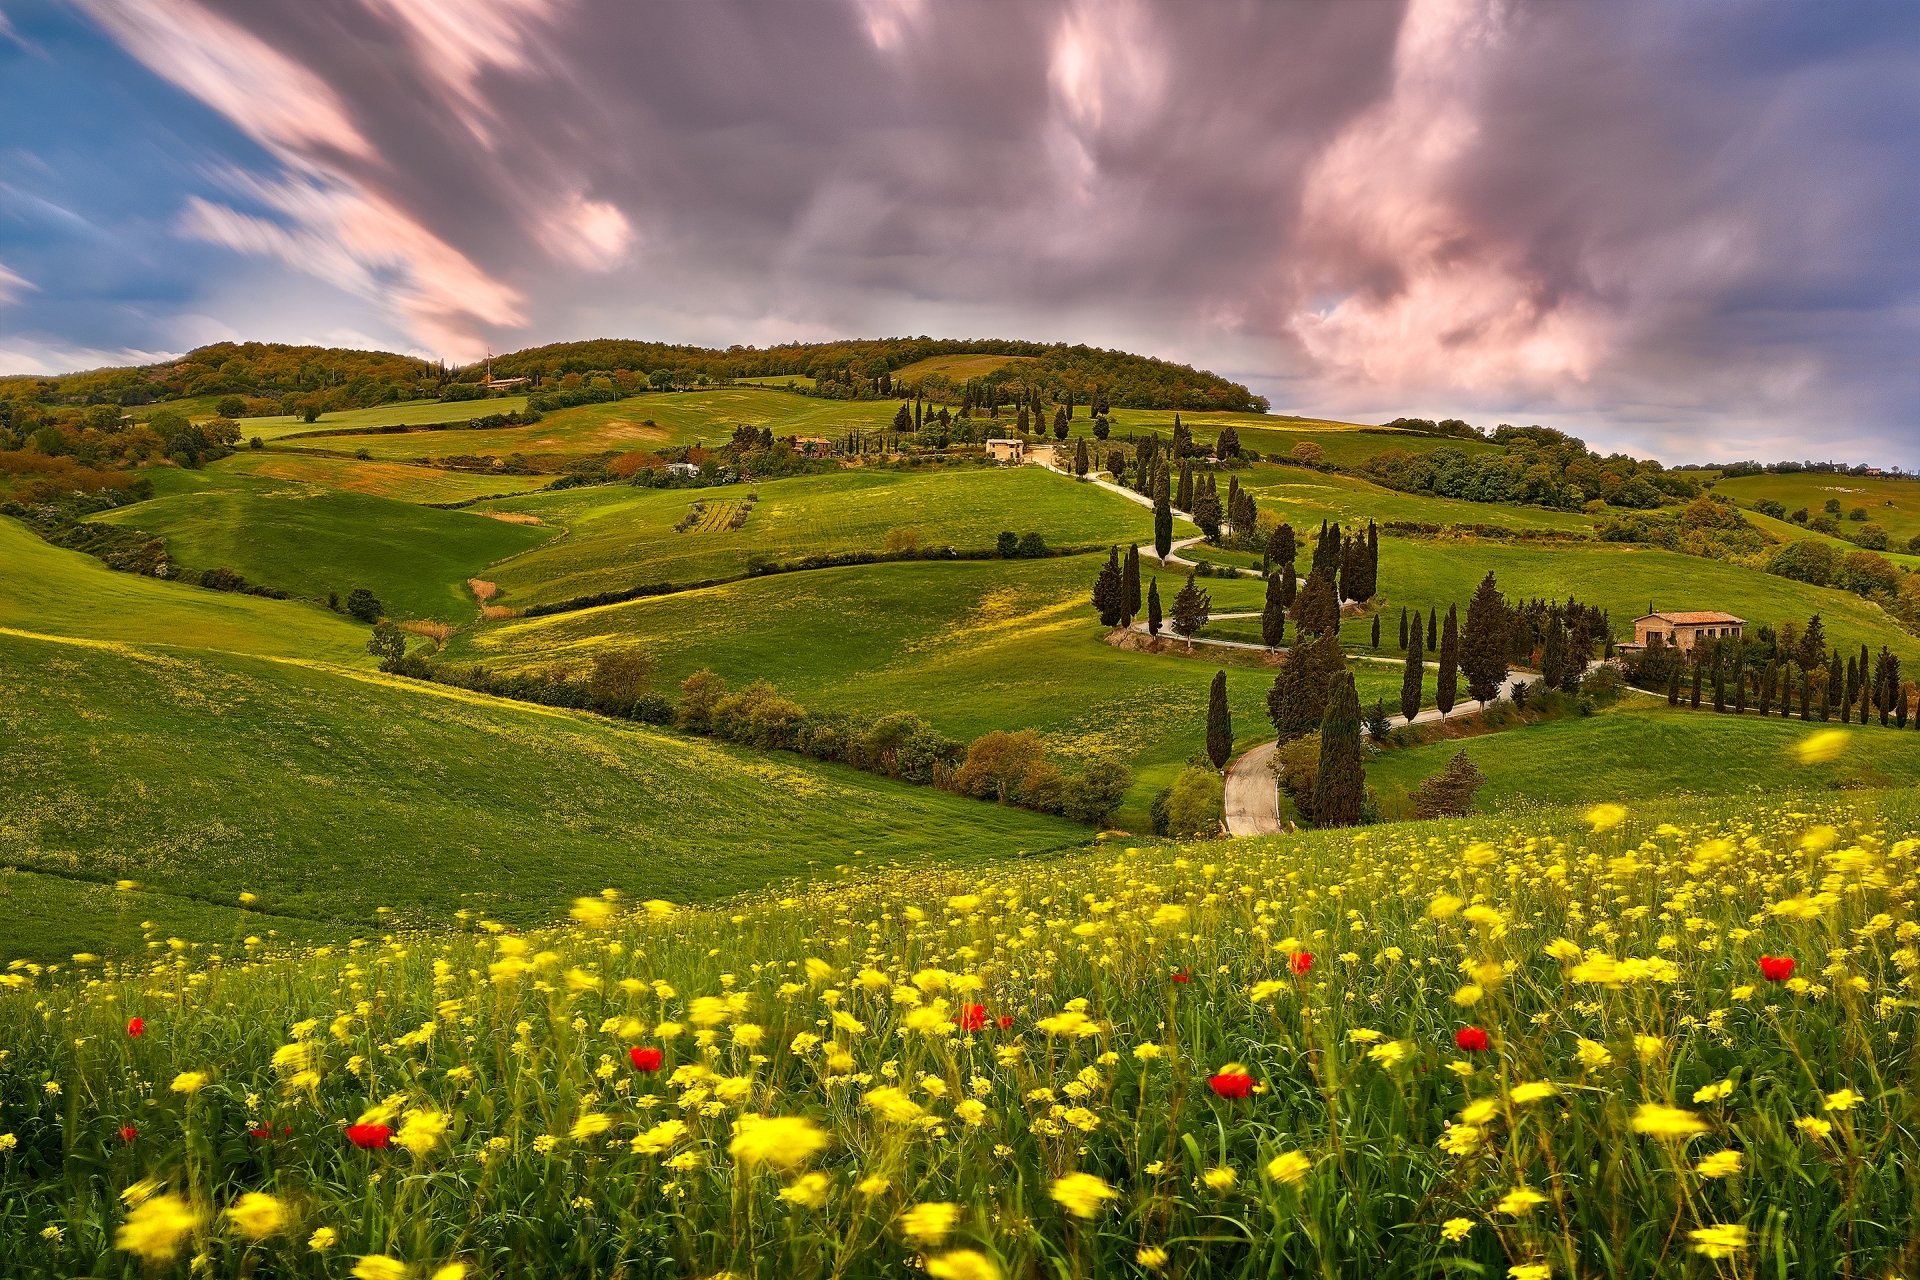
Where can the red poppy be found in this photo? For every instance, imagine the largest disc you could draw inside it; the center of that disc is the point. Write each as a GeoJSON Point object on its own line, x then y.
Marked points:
{"type": "Point", "coordinates": [1302, 961]}
{"type": "Point", "coordinates": [128, 1133]}
{"type": "Point", "coordinates": [973, 1017]}
{"type": "Point", "coordinates": [261, 1131]}
{"type": "Point", "coordinates": [646, 1058]}
{"type": "Point", "coordinates": [1004, 1021]}
{"type": "Point", "coordinates": [1183, 977]}
{"type": "Point", "coordinates": [136, 1027]}
{"type": "Point", "coordinates": [1471, 1039]}
{"type": "Point", "coordinates": [1776, 968]}
{"type": "Point", "coordinates": [1231, 1084]}
{"type": "Point", "coordinates": [369, 1136]}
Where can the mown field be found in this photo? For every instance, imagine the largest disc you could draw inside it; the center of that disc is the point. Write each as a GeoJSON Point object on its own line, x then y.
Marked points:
{"type": "Point", "coordinates": [401, 481]}
{"type": "Point", "coordinates": [972, 646]}
{"type": "Point", "coordinates": [309, 541]}
{"type": "Point", "coordinates": [1892, 504]}
{"type": "Point", "coordinates": [957, 368]}
{"type": "Point", "coordinates": [402, 413]}
{"type": "Point", "coordinates": [1631, 1042]}
{"type": "Point", "coordinates": [618, 536]}
{"type": "Point", "coordinates": [1304, 498]}
{"type": "Point", "coordinates": [333, 794]}
{"type": "Point", "coordinates": [1643, 750]}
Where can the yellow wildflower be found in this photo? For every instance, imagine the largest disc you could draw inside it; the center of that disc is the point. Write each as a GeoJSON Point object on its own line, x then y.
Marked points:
{"type": "Point", "coordinates": [929, 1223]}
{"type": "Point", "coordinates": [1721, 1240]}
{"type": "Point", "coordinates": [257, 1215]}
{"type": "Point", "coordinates": [780, 1142]}
{"type": "Point", "coordinates": [1082, 1194]}
{"type": "Point", "coordinates": [963, 1264]}
{"type": "Point", "coordinates": [156, 1228]}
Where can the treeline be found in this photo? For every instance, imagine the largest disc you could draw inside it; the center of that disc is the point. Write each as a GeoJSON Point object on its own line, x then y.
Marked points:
{"type": "Point", "coordinates": [1011, 768]}
{"type": "Point", "coordinates": [1537, 467]}
{"type": "Point", "coordinates": [261, 370]}
{"type": "Point", "coordinates": [1789, 671]}
{"type": "Point", "coordinates": [864, 368]}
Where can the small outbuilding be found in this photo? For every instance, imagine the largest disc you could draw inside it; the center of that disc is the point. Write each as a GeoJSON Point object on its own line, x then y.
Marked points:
{"type": "Point", "coordinates": [1682, 629]}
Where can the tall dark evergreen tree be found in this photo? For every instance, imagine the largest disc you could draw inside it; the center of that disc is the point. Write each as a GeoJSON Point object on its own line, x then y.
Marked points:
{"type": "Point", "coordinates": [1376, 633]}
{"type": "Point", "coordinates": [1403, 628]}
{"type": "Point", "coordinates": [1553, 656]}
{"type": "Point", "coordinates": [1298, 698]}
{"type": "Point", "coordinates": [1183, 497]}
{"type": "Point", "coordinates": [1191, 608]}
{"type": "Point", "coordinates": [1836, 695]}
{"type": "Point", "coordinates": [1317, 612]}
{"type": "Point", "coordinates": [1219, 722]}
{"type": "Point", "coordinates": [1673, 687]}
{"type": "Point", "coordinates": [1483, 648]}
{"type": "Point", "coordinates": [1130, 586]}
{"type": "Point", "coordinates": [1206, 509]}
{"type": "Point", "coordinates": [1081, 462]}
{"type": "Point", "coordinates": [1106, 590]}
{"type": "Point", "coordinates": [1282, 550]}
{"type": "Point", "coordinates": [1447, 688]}
{"type": "Point", "coordinates": [1737, 674]}
{"type": "Point", "coordinates": [1339, 788]}
{"type": "Point", "coordinates": [1806, 696]}
{"type": "Point", "coordinates": [1433, 629]}
{"type": "Point", "coordinates": [1153, 608]}
{"type": "Point", "coordinates": [1699, 670]}
{"type": "Point", "coordinates": [1812, 651]}
{"type": "Point", "coordinates": [1848, 684]}
{"type": "Point", "coordinates": [1413, 679]}
{"type": "Point", "coordinates": [1162, 516]}
{"type": "Point", "coordinates": [1273, 615]}
{"type": "Point", "coordinates": [1769, 677]}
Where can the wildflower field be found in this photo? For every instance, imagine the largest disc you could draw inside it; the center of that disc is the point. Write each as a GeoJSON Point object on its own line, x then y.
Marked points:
{"type": "Point", "coordinates": [1579, 1043]}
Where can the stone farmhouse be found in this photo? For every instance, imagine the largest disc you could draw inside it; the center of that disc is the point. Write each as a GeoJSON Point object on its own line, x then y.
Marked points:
{"type": "Point", "coordinates": [1682, 629]}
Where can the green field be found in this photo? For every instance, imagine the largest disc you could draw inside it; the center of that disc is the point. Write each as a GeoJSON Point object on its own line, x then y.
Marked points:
{"type": "Point", "coordinates": [678, 418]}
{"type": "Point", "coordinates": [1893, 504]}
{"type": "Point", "coordinates": [65, 593]}
{"type": "Point", "coordinates": [972, 646]}
{"type": "Point", "coordinates": [619, 537]}
{"type": "Point", "coordinates": [788, 380]}
{"type": "Point", "coordinates": [403, 481]}
{"type": "Point", "coordinates": [311, 541]}
{"type": "Point", "coordinates": [956, 368]}
{"type": "Point", "coordinates": [1643, 750]}
{"type": "Point", "coordinates": [1623, 579]}
{"type": "Point", "coordinates": [401, 413]}
{"type": "Point", "coordinates": [331, 794]}
{"type": "Point", "coordinates": [1305, 497]}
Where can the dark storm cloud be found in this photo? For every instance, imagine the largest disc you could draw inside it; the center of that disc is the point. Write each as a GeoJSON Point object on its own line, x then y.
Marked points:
{"type": "Point", "coordinates": [1686, 228]}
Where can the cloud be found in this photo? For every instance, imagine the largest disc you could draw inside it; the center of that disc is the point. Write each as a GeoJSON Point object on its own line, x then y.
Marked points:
{"type": "Point", "coordinates": [13, 284]}
{"type": "Point", "coordinates": [1680, 228]}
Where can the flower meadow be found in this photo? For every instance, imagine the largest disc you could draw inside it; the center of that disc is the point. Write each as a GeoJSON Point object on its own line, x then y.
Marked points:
{"type": "Point", "coordinates": [1573, 1044]}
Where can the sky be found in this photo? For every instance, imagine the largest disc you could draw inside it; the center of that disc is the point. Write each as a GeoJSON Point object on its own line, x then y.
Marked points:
{"type": "Point", "coordinates": [1690, 231]}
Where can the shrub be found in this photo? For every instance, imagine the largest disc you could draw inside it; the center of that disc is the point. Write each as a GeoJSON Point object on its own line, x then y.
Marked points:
{"type": "Point", "coordinates": [1871, 537]}
{"type": "Point", "coordinates": [1804, 561]}
{"type": "Point", "coordinates": [1867, 573]}
{"type": "Point", "coordinates": [1449, 793]}
{"type": "Point", "coordinates": [1195, 804]}
{"type": "Point", "coordinates": [363, 605]}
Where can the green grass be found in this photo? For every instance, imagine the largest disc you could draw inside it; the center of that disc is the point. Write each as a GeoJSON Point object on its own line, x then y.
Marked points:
{"type": "Point", "coordinates": [972, 646]}
{"type": "Point", "coordinates": [619, 536]}
{"type": "Point", "coordinates": [1643, 750]}
{"type": "Point", "coordinates": [957, 368]}
{"type": "Point", "coordinates": [402, 413]}
{"type": "Point", "coordinates": [331, 795]}
{"type": "Point", "coordinates": [778, 380]}
{"type": "Point", "coordinates": [1892, 504]}
{"type": "Point", "coordinates": [1345, 444]}
{"type": "Point", "coordinates": [67, 593]}
{"type": "Point", "coordinates": [402, 481]}
{"type": "Point", "coordinates": [311, 541]}
{"type": "Point", "coordinates": [1622, 579]}
{"type": "Point", "coordinates": [679, 418]}
{"type": "Point", "coordinates": [1305, 497]}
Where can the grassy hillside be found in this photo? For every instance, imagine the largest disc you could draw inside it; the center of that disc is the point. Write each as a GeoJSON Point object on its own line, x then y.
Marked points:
{"type": "Point", "coordinates": [618, 537]}
{"type": "Point", "coordinates": [1893, 504]}
{"type": "Point", "coordinates": [1622, 579]}
{"type": "Point", "coordinates": [332, 794]}
{"type": "Point", "coordinates": [67, 593]}
{"type": "Point", "coordinates": [1477, 1048]}
{"type": "Point", "coordinates": [401, 481]}
{"type": "Point", "coordinates": [955, 368]}
{"type": "Point", "coordinates": [972, 646]}
{"type": "Point", "coordinates": [1305, 497]}
{"type": "Point", "coordinates": [1644, 750]}
{"type": "Point", "coordinates": [404, 413]}
{"type": "Point", "coordinates": [311, 541]}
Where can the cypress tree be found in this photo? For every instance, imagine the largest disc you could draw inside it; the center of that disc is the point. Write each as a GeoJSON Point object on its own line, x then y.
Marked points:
{"type": "Point", "coordinates": [1298, 698]}
{"type": "Point", "coordinates": [1769, 674]}
{"type": "Point", "coordinates": [1191, 608]}
{"type": "Point", "coordinates": [1483, 649]}
{"type": "Point", "coordinates": [1206, 509]}
{"type": "Point", "coordinates": [1403, 628]}
{"type": "Point", "coordinates": [1316, 611]}
{"type": "Point", "coordinates": [1130, 586]}
{"type": "Point", "coordinates": [1282, 550]}
{"type": "Point", "coordinates": [1447, 688]}
{"type": "Point", "coordinates": [1376, 633]}
{"type": "Point", "coordinates": [1835, 693]}
{"type": "Point", "coordinates": [1373, 560]}
{"type": "Point", "coordinates": [1673, 687]}
{"type": "Point", "coordinates": [1698, 671]}
{"type": "Point", "coordinates": [1162, 516]}
{"type": "Point", "coordinates": [1433, 627]}
{"type": "Point", "coordinates": [1339, 788]}
{"type": "Point", "coordinates": [1153, 608]}
{"type": "Point", "coordinates": [1106, 590]}
{"type": "Point", "coordinates": [1739, 684]}
{"type": "Point", "coordinates": [1273, 614]}
{"type": "Point", "coordinates": [1080, 460]}
{"type": "Point", "coordinates": [1183, 497]}
{"type": "Point", "coordinates": [1219, 722]}
{"type": "Point", "coordinates": [1847, 685]}
{"type": "Point", "coordinates": [1806, 696]}
{"type": "Point", "coordinates": [1413, 678]}
{"type": "Point", "coordinates": [1553, 658]}
{"type": "Point", "coordinates": [1813, 645]}
{"type": "Point", "coordinates": [1866, 687]}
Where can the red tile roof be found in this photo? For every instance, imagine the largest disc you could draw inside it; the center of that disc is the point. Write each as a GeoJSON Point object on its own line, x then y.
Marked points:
{"type": "Point", "coordinates": [1698, 616]}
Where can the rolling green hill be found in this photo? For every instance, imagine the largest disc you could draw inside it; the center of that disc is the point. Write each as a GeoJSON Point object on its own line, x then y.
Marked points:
{"type": "Point", "coordinates": [331, 794]}
{"type": "Point", "coordinates": [1893, 504]}
{"type": "Point", "coordinates": [621, 537]}
{"type": "Point", "coordinates": [310, 541]}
